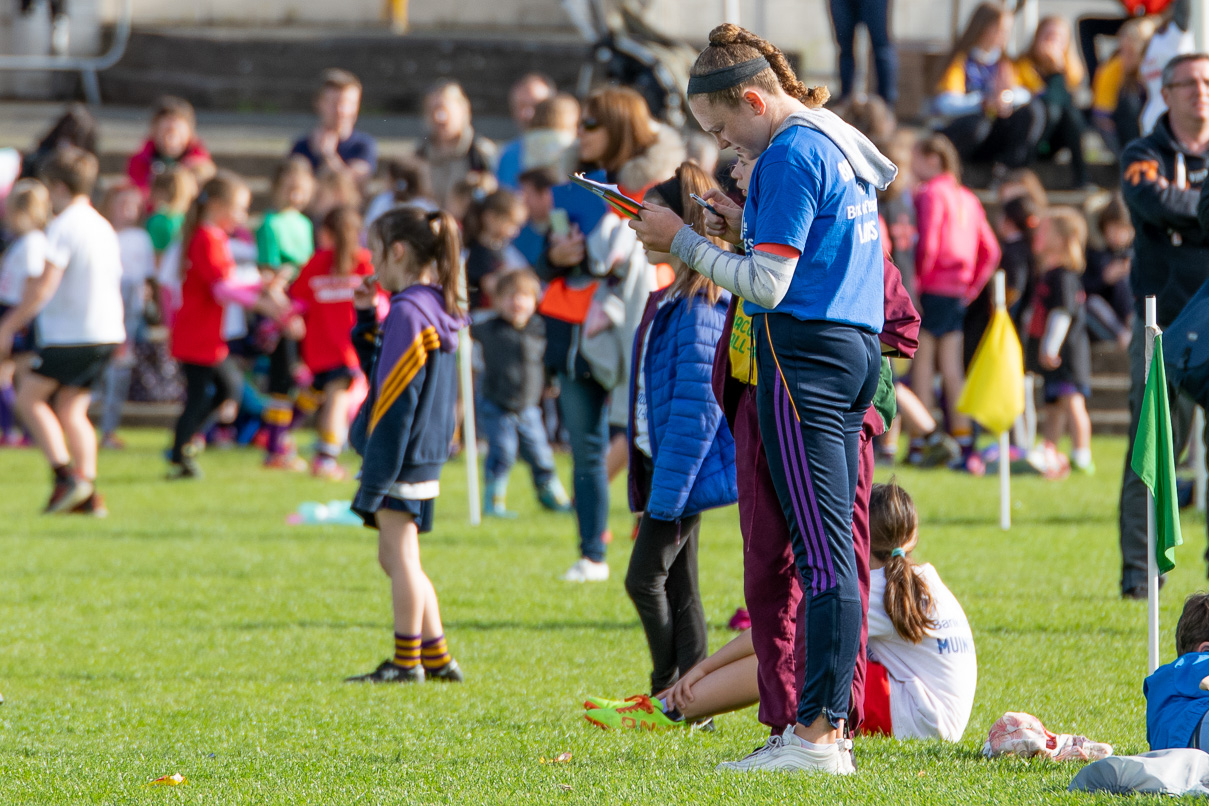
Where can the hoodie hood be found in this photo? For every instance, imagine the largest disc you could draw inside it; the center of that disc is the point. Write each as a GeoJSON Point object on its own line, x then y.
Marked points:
{"type": "Point", "coordinates": [424, 305]}
{"type": "Point", "coordinates": [867, 162]}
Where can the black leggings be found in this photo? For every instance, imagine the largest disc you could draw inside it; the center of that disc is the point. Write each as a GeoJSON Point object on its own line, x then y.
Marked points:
{"type": "Point", "coordinates": [1011, 141]}
{"type": "Point", "coordinates": [662, 583]}
{"type": "Point", "coordinates": [281, 367]}
{"type": "Point", "coordinates": [206, 388]}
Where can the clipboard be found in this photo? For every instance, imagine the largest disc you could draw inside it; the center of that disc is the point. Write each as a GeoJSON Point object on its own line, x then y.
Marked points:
{"type": "Point", "coordinates": [622, 204]}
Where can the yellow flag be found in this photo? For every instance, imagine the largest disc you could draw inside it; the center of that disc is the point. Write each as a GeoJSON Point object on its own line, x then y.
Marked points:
{"type": "Point", "coordinates": [994, 390]}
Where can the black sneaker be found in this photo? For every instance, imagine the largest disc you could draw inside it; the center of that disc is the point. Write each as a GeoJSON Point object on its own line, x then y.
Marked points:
{"type": "Point", "coordinates": [449, 673]}
{"type": "Point", "coordinates": [388, 672]}
{"type": "Point", "coordinates": [69, 492]}
{"type": "Point", "coordinates": [185, 468]}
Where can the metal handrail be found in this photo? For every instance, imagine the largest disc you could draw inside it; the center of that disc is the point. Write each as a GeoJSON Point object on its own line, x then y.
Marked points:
{"type": "Point", "coordinates": [88, 66]}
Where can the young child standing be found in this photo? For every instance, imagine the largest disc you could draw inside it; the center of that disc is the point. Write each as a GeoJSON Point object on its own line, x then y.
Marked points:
{"type": "Point", "coordinates": [514, 376]}
{"type": "Point", "coordinates": [681, 452]}
{"type": "Point", "coordinates": [26, 212]}
{"type": "Point", "coordinates": [1177, 695]}
{"type": "Point", "coordinates": [1059, 331]}
{"type": "Point", "coordinates": [211, 377]}
{"type": "Point", "coordinates": [77, 299]}
{"type": "Point", "coordinates": [323, 295]}
{"type": "Point", "coordinates": [404, 429]}
{"type": "Point", "coordinates": [284, 243]}
{"type": "Point", "coordinates": [954, 257]}
{"type": "Point", "coordinates": [172, 192]}
{"type": "Point", "coordinates": [123, 206]}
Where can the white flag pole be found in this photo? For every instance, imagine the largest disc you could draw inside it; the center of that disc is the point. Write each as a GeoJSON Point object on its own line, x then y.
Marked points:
{"type": "Point", "coordinates": [1196, 455]}
{"type": "Point", "coordinates": [470, 443]}
{"type": "Point", "coordinates": [1152, 565]}
{"type": "Point", "coordinates": [1005, 443]}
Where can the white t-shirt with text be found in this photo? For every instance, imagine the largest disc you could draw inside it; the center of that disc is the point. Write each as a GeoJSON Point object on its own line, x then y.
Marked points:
{"type": "Point", "coordinates": [87, 306]}
{"type": "Point", "coordinates": [932, 683]}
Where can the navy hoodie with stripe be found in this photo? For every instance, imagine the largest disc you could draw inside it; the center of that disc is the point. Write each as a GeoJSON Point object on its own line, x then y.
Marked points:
{"type": "Point", "coordinates": [406, 425]}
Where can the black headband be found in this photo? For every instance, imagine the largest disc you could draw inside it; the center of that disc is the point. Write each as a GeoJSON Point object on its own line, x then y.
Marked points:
{"type": "Point", "coordinates": [726, 77]}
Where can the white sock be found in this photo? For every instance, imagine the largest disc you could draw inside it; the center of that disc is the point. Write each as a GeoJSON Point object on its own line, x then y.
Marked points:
{"type": "Point", "coordinates": [1081, 456]}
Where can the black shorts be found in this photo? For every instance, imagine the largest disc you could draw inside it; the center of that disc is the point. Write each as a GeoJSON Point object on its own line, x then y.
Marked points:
{"type": "Point", "coordinates": [941, 316]}
{"type": "Point", "coordinates": [78, 366]}
{"type": "Point", "coordinates": [422, 511]}
{"type": "Point", "coordinates": [321, 379]}
{"type": "Point", "coordinates": [1058, 386]}
{"type": "Point", "coordinates": [23, 340]}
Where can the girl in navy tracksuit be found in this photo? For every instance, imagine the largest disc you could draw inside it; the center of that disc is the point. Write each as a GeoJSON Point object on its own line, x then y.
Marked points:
{"type": "Point", "coordinates": [682, 456]}
{"type": "Point", "coordinates": [405, 427]}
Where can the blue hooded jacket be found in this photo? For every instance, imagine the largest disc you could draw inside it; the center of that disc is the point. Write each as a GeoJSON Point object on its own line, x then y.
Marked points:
{"type": "Point", "coordinates": [692, 451]}
{"type": "Point", "coordinates": [404, 428]}
{"type": "Point", "coordinates": [1175, 701]}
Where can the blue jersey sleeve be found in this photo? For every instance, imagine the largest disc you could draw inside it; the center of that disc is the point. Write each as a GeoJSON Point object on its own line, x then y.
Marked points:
{"type": "Point", "coordinates": [788, 197]}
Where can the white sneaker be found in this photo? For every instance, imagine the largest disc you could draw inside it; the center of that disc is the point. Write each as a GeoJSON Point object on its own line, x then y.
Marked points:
{"type": "Point", "coordinates": [586, 570]}
{"type": "Point", "coordinates": [786, 753]}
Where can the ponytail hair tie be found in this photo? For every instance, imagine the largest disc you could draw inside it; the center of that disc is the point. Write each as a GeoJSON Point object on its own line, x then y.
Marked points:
{"type": "Point", "coordinates": [898, 552]}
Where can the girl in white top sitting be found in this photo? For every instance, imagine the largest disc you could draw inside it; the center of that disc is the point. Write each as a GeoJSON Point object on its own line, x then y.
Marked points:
{"type": "Point", "coordinates": [922, 669]}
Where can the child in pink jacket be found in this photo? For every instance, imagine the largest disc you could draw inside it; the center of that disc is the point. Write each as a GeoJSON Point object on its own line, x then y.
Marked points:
{"type": "Point", "coordinates": [954, 257]}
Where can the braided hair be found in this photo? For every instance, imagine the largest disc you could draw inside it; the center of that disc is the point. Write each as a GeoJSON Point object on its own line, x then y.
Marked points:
{"type": "Point", "coordinates": [730, 45]}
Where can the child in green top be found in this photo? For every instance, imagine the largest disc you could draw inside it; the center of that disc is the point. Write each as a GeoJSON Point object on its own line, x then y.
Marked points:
{"type": "Point", "coordinates": [285, 242]}
{"type": "Point", "coordinates": [172, 192]}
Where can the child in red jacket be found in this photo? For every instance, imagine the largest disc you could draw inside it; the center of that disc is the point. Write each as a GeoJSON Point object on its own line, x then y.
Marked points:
{"type": "Point", "coordinates": [954, 257]}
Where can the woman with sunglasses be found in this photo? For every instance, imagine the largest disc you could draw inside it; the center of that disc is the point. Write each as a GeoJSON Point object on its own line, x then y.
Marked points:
{"type": "Point", "coordinates": [602, 280]}
{"type": "Point", "coordinates": [811, 277]}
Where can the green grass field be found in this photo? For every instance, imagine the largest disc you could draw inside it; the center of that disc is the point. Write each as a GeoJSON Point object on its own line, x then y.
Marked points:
{"type": "Point", "coordinates": [193, 631]}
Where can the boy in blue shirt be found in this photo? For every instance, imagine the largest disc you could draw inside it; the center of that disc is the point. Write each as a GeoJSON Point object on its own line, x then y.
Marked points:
{"type": "Point", "coordinates": [1177, 695]}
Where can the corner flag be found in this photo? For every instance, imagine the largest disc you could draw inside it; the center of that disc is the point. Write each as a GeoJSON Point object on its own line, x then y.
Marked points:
{"type": "Point", "coordinates": [1154, 460]}
{"type": "Point", "coordinates": [994, 390]}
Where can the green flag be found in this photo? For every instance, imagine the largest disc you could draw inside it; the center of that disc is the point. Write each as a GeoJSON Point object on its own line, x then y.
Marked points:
{"type": "Point", "coordinates": [1154, 460]}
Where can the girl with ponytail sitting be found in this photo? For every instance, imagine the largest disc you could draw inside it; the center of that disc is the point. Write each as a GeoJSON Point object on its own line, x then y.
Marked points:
{"type": "Point", "coordinates": [922, 670]}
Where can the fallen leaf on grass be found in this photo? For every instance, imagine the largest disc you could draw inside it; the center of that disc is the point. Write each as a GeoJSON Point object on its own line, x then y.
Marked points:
{"type": "Point", "coordinates": [565, 787]}
{"type": "Point", "coordinates": [175, 779]}
{"type": "Point", "coordinates": [561, 758]}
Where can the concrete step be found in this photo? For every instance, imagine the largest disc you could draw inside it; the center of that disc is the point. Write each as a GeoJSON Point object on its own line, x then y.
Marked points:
{"type": "Point", "coordinates": [276, 69]}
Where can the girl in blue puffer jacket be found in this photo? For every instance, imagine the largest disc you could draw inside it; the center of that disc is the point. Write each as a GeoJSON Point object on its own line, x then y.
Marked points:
{"type": "Point", "coordinates": [682, 456]}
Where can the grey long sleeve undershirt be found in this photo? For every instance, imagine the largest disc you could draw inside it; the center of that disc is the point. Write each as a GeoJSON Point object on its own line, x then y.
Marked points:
{"type": "Point", "coordinates": [760, 277]}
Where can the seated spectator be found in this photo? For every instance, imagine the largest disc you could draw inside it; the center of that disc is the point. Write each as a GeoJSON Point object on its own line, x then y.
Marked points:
{"type": "Point", "coordinates": [1118, 94]}
{"type": "Point", "coordinates": [75, 127]}
{"type": "Point", "coordinates": [526, 94]}
{"type": "Point", "coordinates": [1172, 38]}
{"type": "Point", "coordinates": [407, 183]}
{"type": "Point", "coordinates": [1106, 280]}
{"type": "Point", "coordinates": [1052, 72]}
{"type": "Point", "coordinates": [701, 149]}
{"type": "Point", "coordinates": [988, 111]}
{"type": "Point", "coordinates": [172, 139]}
{"type": "Point", "coordinates": [335, 144]}
{"type": "Point", "coordinates": [451, 148]}
{"type": "Point", "coordinates": [550, 140]}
